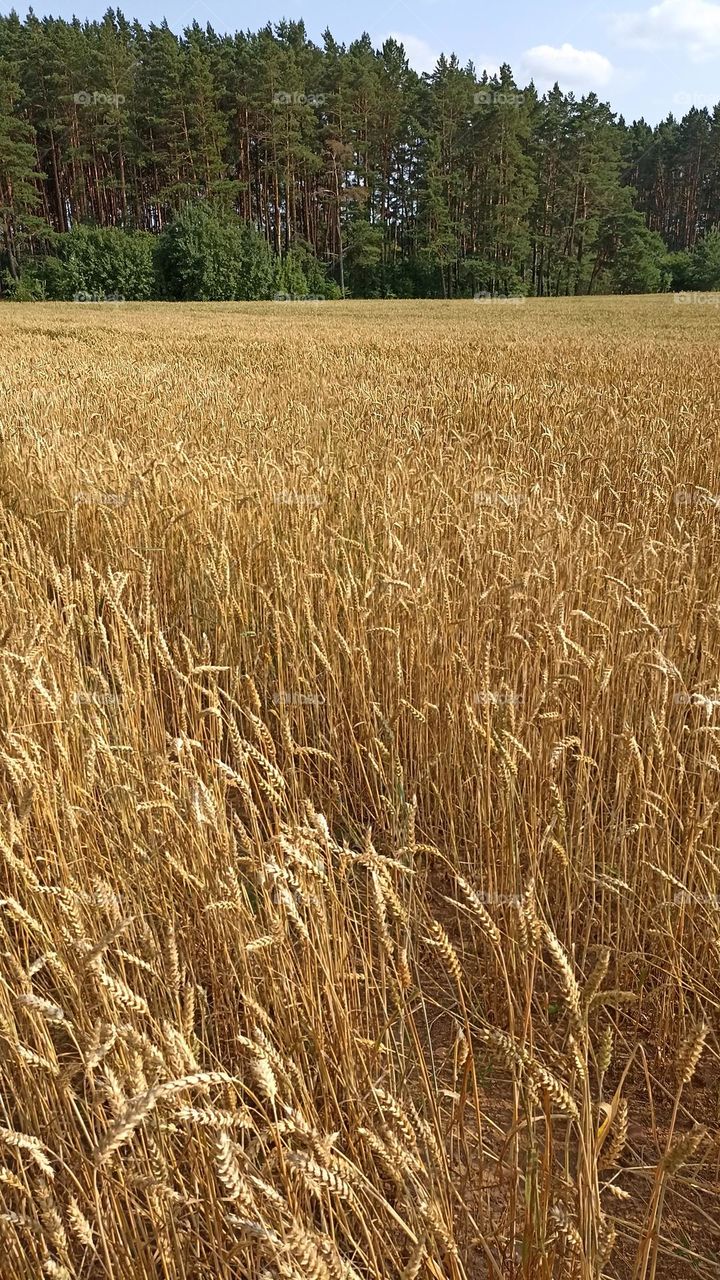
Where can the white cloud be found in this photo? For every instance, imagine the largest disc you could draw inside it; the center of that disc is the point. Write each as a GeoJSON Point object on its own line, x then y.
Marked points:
{"type": "Point", "coordinates": [419, 53]}
{"type": "Point", "coordinates": [578, 68]}
{"type": "Point", "coordinates": [693, 24]}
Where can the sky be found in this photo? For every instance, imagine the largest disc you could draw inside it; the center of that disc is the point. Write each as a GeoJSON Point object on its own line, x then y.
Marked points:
{"type": "Point", "coordinates": [646, 60]}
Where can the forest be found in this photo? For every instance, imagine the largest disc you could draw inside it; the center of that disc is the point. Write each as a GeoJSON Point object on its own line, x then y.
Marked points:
{"type": "Point", "coordinates": [138, 163]}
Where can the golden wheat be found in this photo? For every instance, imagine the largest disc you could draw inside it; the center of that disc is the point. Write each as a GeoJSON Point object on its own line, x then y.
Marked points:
{"type": "Point", "coordinates": [359, 756]}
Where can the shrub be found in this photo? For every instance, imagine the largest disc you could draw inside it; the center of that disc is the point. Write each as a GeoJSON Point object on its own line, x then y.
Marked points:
{"type": "Point", "coordinates": [104, 261]}
{"type": "Point", "coordinates": [204, 257]}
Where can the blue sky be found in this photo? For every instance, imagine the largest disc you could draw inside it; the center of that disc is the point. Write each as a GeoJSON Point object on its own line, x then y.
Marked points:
{"type": "Point", "coordinates": [645, 59]}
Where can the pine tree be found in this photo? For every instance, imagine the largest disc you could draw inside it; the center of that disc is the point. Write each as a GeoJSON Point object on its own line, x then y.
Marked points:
{"type": "Point", "coordinates": [436, 184]}
{"type": "Point", "coordinates": [18, 174]}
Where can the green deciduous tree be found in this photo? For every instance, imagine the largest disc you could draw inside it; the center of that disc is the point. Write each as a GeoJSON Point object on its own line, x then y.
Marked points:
{"type": "Point", "coordinates": [202, 256]}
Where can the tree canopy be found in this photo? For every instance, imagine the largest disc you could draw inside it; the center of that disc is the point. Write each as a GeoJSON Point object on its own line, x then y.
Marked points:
{"type": "Point", "coordinates": [390, 182]}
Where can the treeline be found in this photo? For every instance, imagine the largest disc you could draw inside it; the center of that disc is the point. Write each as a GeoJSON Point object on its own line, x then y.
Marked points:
{"type": "Point", "coordinates": [200, 256]}
{"type": "Point", "coordinates": [338, 167]}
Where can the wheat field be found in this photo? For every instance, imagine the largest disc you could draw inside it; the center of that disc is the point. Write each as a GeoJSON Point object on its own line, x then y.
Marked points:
{"type": "Point", "coordinates": [359, 791]}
